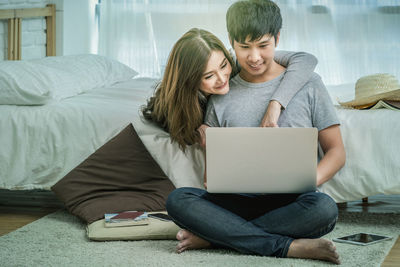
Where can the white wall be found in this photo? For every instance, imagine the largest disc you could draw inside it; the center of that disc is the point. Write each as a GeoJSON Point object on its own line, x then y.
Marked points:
{"type": "Point", "coordinates": [76, 32]}
{"type": "Point", "coordinates": [75, 28]}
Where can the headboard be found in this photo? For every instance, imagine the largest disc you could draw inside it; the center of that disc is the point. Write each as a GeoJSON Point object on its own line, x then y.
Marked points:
{"type": "Point", "coordinates": [14, 17]}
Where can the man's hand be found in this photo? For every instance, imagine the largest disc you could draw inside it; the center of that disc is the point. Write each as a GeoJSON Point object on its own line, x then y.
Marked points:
{"type": "Point", "coordinates": [271, 117]}
{"type": "Point", "coordinates": [202, 132]}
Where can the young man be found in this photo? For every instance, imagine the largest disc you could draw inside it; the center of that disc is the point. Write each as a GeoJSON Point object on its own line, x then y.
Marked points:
{"type": "Point", "coordinates": [281, 225]}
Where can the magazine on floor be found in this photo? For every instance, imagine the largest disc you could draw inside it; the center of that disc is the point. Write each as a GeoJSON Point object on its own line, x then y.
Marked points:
{"type": "Point", "coordinates": [126, 218]}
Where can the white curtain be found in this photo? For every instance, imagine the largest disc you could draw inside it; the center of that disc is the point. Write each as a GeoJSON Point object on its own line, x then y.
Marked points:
{"type": "Point", "coordinates": [141, 33]}
{"type": "Point", "coordinates": [351, 38]}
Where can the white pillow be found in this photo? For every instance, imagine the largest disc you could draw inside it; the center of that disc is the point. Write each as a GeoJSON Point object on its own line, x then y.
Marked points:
{"type": "Point", "coordinates": [182, 168]}
{"type": "Point", "coordinates": [22, 83]}
{"type": "Point", "coordinates": [36, 82]}
{"type": "Point", "coordinates": [80, 73]}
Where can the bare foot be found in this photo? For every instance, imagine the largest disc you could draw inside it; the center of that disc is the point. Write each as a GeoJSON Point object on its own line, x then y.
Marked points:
{"type": "Point", "coordinates": [319, 249]}
{"type": "Point", "coordinates": [188, 240]}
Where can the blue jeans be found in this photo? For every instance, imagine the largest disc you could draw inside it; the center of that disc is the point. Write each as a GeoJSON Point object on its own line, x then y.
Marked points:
{"type": "Point", "coordinates": [253, 223]}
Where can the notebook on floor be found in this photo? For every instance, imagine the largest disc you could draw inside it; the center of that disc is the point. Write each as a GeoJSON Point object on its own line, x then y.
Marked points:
{"type": "Point", "coordinates": [261, 160]}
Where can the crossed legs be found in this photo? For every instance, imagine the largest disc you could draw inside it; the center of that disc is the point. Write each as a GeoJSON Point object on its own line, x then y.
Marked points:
{"type": "Point", "coordinates": [269, 225]}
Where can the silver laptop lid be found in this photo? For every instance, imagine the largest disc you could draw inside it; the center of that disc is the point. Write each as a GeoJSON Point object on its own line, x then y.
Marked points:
{"type": "Point", "coordinates": [261, 160]}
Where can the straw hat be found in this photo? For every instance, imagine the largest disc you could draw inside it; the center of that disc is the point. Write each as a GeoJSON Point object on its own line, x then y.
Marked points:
{"type": "Point", "coordinates": [372, 88]}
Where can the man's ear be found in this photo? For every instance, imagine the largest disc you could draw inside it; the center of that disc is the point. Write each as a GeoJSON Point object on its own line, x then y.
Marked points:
{"type": "Point", "coordinates": [277, 39]}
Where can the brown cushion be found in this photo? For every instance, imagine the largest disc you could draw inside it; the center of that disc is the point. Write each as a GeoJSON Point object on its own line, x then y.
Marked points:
{"type": "Point", "coordinates": [121, 175]}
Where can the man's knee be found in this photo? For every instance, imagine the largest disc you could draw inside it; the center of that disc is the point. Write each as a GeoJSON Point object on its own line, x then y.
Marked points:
{"type": "Point", "coordinates": [327, 210]}
{"type": "Point", "coordinates": [329, 206]}
{"type": "Point", "coordinates": [323, 205]}
{"type": "Point", "coordinates": [174, 200]}
{"type": "Point", "coordinates": [323, 209]}
{"type": "Point", "coordinates": [177, 199]}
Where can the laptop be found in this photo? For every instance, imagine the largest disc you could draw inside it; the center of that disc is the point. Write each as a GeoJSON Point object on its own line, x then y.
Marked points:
{"type": "Point", "coordinates": [261, 160]}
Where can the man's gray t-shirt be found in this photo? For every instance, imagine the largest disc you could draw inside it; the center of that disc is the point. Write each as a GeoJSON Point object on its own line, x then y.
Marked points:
{"type": "Point", "coordinates": [246, 103]}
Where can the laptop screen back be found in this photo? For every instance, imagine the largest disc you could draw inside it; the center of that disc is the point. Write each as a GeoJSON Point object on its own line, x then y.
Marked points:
{"type": "Point", "coordinates": [261, 160]}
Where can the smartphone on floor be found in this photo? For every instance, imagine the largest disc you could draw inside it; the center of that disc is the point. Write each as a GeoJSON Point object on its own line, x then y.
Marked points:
{"type": "Point", "coordinates": [160, 216]}
{"type": "Point", "coordinates": [362, 239]}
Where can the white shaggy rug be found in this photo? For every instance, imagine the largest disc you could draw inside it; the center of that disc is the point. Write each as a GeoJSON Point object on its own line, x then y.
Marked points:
{"type": "Point", "coordinates": [59, 239]}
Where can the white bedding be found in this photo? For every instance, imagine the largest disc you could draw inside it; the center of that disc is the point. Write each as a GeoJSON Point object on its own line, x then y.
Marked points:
{"type": "Point", "coordinates": [372, 143]}
{"type": "Point", "coordinates": [40, 144]}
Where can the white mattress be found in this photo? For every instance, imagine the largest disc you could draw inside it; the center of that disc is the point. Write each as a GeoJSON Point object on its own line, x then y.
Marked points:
{"type": "Point", "coordinates": [40, 144]}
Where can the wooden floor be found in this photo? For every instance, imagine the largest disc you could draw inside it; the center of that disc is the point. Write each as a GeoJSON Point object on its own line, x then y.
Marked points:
{"type": "Point", "coordinates": [12, 218]}
{"type": "Point", "coordinates": [13, 215]}
{"type": "Point", "coordinates": [18, 208]}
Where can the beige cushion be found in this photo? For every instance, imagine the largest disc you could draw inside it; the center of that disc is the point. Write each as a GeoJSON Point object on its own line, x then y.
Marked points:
{"type": "Point", "coordinates": [156, 229]}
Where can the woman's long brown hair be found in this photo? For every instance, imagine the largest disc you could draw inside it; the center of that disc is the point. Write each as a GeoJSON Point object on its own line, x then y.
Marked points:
{"type": "Point", "coordinates": [178, 105]}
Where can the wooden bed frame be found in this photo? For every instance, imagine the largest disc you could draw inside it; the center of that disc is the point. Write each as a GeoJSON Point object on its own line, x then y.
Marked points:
{"type": "Point", "coordinates": [14, 17]}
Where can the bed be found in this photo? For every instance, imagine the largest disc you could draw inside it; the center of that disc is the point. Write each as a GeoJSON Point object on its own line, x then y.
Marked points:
{"type": "Point", "coordinates": [40, 143]}
{"type": "Point", "coordinates": [55, 112]}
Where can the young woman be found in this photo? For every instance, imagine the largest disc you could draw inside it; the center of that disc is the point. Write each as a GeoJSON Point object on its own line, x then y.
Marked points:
{"type": "Point", "coordinates": [199, 65]}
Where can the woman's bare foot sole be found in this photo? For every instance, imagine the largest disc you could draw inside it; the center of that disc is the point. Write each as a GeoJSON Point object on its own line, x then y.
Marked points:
{"type": "Point", "coordinates": [188, 240]}
{"type": "Point", "coordinates": [318, 249]}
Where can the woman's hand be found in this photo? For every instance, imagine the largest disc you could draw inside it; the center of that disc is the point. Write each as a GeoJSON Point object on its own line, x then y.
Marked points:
{"type": "Point", "coordinates": [271, 117]}
{"type": "Point", "coordinates": [202, 132]}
